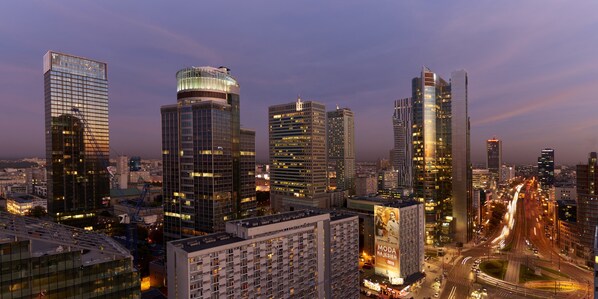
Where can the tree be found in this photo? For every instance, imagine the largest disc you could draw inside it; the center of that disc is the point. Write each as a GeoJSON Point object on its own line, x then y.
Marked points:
{"type": "Point", "coordinates": [37, 212]}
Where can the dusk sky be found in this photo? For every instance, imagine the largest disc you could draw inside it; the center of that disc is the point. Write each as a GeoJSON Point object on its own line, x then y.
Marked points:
{"type": "Point", "coordinates": [532, 65]}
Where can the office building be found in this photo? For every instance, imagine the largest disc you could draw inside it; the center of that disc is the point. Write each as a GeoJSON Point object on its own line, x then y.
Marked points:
{"type": "Point", "coordinates": [21, 204]}
{"type": "Point", "coordinates": [587, 206]}
{"type": "Point", "coordinates": [77, 141]}
{"type": "Point", "coordinates": [507, 173]}
{"type": "Point", "coordinates": [461, 159]}
{"type": "Point", "coordinates": [546, 168]}
{"type": "Point", "coordinates": [437, 132]}
{"type": "Point", "coordinates": [297, 136]}
{"type": "Point", "coordinates": [402, 154]}
{"type": "Point", "coordinates": [122, 172]}
{"type": "Point", "coordinates": [341, 147]}
{"type": "Point", "coordinates": [565, 192]}
{"type": "Point", "coordinates": [135, 163]}
{"type": "Point", "coordinates": [481, 178]}
{"type": "Point", "coordinates": [494, 158]}
{"type": "Point", "coordinates": [41, 259]}
{"type": "Point", "coordinates": [366, 185]}
{"type": "Point", "coordinates": [399, 238]}
{"type": "Point", "coordinates": [387, 179]}
{"type": "Point", "coordinates": [303, 254]}
{"type": "Point", "coordinates": [206, 179]}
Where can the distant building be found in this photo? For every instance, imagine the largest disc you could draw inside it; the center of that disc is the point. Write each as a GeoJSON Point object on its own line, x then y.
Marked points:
{"type": "Point", "coordinates": [135, 163]}
{"type": "Point", "coordinates": [387, 179]}
{"type": "Point", "coordinates": [122, 171]}
{"type": "Point", "coordinates": [546, 168]}
{"type": "Point", "coordinates": [402, 154]}
{"type": "Point", "coordinates": [565, 192]}
{"type": "Point", "coordinates": [297, 136]}
{"type": "Point", "coordinates": [507, 173]}
{"type": "Point", "coordinates": [494, 157]}
{"type": "Point", "coordinates": [77, 137]}
{"type": "Point", "coordinates": [205, 174]}
{"type": "Point", "coordinates": [49, 260]}
{"type": "Point", "coordinates": [481, 178]}
{"type": "Point", "coordinates": [366, 185]}
{"type": "Point", "coordinates": [21, 204]}
{"type": "Point", "coordinates": [303, 254]}
{"type": "Point", "coordinates": [341, 146]}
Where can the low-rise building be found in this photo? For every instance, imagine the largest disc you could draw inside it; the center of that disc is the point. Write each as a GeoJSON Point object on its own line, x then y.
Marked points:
{"type": "Point", "coordinates": [21, 204]}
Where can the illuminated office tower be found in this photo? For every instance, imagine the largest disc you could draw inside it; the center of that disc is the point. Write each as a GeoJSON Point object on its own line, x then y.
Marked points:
{"type": "Point", "coordinates": [494, 158]}
{"type": "Point", "coordinates": [402, 159]}
{"type": "Point", "coordinates": [297, 136]}
{"type": "Point", "coordinates": [437, 132]}
{"type": "Point", "coordinates": [341, 147]}
{"type": "Point", "coordinates": [206, 179]}
{"type": "Point", "coordinates": [546, 168]}
{"type": "Point", "coordinates": [77, 143]}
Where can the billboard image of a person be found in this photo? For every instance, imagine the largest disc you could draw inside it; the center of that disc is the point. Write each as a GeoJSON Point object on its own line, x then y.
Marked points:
{"type": "Point", "coordinates": [392, 229]}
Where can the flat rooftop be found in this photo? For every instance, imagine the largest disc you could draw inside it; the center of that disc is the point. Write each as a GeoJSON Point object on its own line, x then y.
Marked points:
{"type": "Point", "coordinates": [208, 241]}
{"type": "Point", "coordinates": [272, 219]}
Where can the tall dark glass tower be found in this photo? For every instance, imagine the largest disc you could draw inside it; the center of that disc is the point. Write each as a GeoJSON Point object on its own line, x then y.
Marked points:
{"type": "Point", "coordinates": [208, 160]}
{"type": "Point", "coordinates": [494, 158]}
{"type": "Point", "coordinates": [587, 207]}
{"type": "Point", "coordinates": [546, 168]}
{"type": "Point", "coordinates": [77, 139]}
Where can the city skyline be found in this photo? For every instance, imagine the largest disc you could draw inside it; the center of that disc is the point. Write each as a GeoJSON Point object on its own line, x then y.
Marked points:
{"type": "Point", "coordinates": [520, 73]}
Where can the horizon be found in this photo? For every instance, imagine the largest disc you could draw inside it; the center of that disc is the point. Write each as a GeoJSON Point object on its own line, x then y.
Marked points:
{"type": "Point", "coordinates": [523, 75]}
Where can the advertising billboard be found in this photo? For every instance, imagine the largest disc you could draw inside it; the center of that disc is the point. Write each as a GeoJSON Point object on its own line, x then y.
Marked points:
{"type": "Point", "coordinates": [386, 225]}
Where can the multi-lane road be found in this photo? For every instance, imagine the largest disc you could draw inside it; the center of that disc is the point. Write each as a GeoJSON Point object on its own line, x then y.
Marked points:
{"type": "Point", "coordinates": [526, 228]}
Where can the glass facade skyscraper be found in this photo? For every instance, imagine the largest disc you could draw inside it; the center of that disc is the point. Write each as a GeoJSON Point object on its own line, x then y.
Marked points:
{"type": "Point", "coordinates": [438, 130]}
{"type": "Point", "coordinates": [494, 158]}
{"type": "Point", "coordinates": [208, 160]}
{"type": "Point", "coordinates": [77, 137]}
{"type": "Point", "coordinates": [40, 259]}
{"type": "Point", "coordinates": [546, 168]}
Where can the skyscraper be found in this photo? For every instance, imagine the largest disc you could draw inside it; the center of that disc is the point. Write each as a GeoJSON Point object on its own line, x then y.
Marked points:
{"type": "Point", "coordinates": [205, 153]}
{"type": "Point", "coordinates": [436, 134]}
{"type": "Point", "coordinates": [461, 158]}
{"type": "Point", "coordinates": [587, 206]}
{"type": "Point", "coordinates": [546, 168]}
{"type": "Point", "coordinates": [494, 157]}
{"type": "Point", "coordinates": [402, 159]}
{"type": "Point", "coordinates": [297, 136]}
{"type": "Point", "coordinates": [341, 147]}
{"type": "Point", "coordinates": [77, 140]}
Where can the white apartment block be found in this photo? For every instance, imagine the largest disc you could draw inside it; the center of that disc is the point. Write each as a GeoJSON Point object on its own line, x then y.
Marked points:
{"type": "Point", "coordinates": [299, 254]}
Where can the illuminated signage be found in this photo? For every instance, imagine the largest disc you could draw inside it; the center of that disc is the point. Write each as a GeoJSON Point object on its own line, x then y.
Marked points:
{"type": "Point", "coordinates": [386, 221]}
{"type": "Point", "coordinates": [372, 285]}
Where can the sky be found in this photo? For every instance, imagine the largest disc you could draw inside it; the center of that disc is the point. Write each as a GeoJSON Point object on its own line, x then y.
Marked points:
{"type": "Point", "coordinates": [532, 65]}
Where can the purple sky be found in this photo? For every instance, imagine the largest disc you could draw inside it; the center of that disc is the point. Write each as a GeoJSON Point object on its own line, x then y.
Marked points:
{"type": "Point", "coordinates": [533, 66]}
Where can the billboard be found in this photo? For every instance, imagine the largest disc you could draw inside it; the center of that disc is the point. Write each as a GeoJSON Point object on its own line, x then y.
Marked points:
{"type": "Point", "coordinates": [386, 225]}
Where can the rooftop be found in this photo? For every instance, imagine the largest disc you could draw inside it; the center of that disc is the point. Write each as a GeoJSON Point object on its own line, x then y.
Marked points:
{"type": "Point", "coordinates": [271, 219]}
{"type": "Point", "coordinates": [203, 242]}
{"type": "Point", "coordinates": [49, 237]}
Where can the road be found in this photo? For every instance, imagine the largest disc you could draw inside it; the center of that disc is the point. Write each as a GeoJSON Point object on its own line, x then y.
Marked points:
{"type": "Point", "coordinates": [526, 217]}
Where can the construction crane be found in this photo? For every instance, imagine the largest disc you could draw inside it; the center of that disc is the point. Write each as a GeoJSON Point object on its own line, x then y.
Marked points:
{"type": "Point", "coordinates": [131, 219]}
